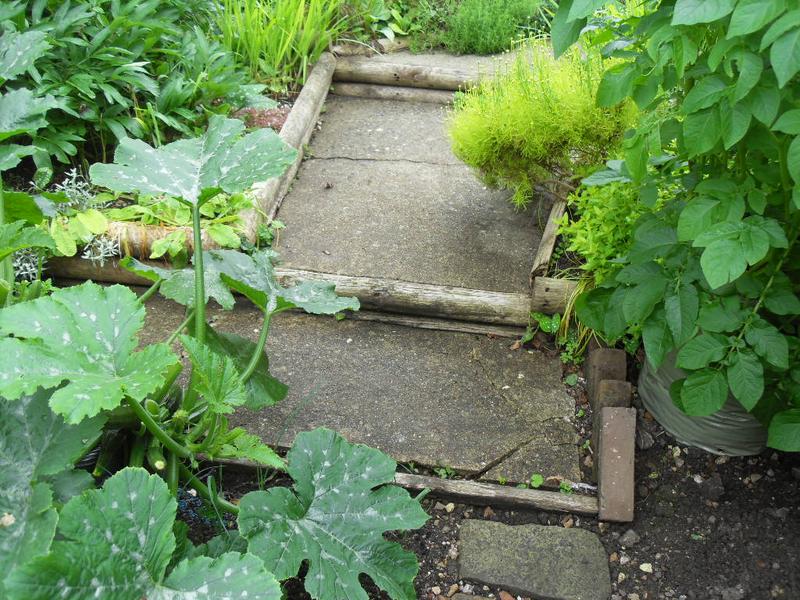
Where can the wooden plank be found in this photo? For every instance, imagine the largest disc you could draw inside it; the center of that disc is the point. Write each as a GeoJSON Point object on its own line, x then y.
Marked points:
{"type": "Point", "coordinates": [548, 242]}
{"type": "Point", "coordinates": [447, 302]}
{"type": "Point", "coordinates": [388, 295]}
{"type": "Point", "coordinates": [473, 492]}
{"type": "Point", "coordinates": [296, 132]}
{"type": "Point", "coordinates": [392, 92]}
{"type": "Point", "coordinates": [358, 69]}
{"type": "Point", "coordinates": [550, 295]}
{"type": "Point", "coordinates": [438, 324]}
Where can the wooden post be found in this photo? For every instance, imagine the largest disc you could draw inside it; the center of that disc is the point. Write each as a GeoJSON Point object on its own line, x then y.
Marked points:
{"type": "Point", "coordinates": [358, 69]}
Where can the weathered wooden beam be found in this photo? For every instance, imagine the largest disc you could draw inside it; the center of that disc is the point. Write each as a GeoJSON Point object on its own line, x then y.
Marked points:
{"type": "Point", "coordinates": [357, 69]}
{"type": "Point", "coordinates": [296, 132]}
{"type": "Point", "coordinates": [447, 302]}
{"type": "Point", "coordinates": [548, 242]}
{"type": "Point", "coordinates": [505, 331]}
{"type": "Point", "coordinates": [473, 492]}
{"type": "Point", "coordinates": [551, 295]}
{"type": "Point", "coordinates": [392, 92]}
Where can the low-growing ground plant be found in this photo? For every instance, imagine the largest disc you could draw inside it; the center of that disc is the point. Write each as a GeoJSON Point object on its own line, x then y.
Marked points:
{"type": "Point", "coordinates": [74, 372]}
{"type": "Point", "coordinates": [537, 122]}
{"type": "Point", "coordinates": [489, 26]}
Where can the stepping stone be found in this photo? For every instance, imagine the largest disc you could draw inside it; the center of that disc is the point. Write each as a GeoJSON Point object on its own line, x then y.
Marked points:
{"type": "Point", "coordinates": [387, 199]}
{"type": "Point", "coordinates": [432, 397]}
{"type": "Point", "coordinates": [547, 563]}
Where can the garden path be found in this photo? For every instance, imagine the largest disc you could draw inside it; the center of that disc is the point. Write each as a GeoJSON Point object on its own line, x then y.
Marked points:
{"type": "Point", "coordinates": [382, 195]}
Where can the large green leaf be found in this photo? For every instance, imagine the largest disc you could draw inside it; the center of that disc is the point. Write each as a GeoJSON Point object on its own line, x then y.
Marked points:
{"type": "Point", "coordinates": [12, 154]}
{"type": "Point", "coordinates": [785, 56]}
{"type": "Point", "coordinates": [254, 277]}
{"type": "Point", "coordinates": [18, 235]}
{"type": "Point", "coordinates": [262, 388]}
{"type": "Point", "coordinates": [23, 112]}
{"type": "Point", "coordinates": [769, 343]}
{"type": "Point", "coordinates": [752, 15]}
{"type": "Point", "coordinates": [334, 519]}
{"type": "Point", "coordinates": [703, 393]}
{"type": "Point", "coordinates": [702, 350]}
{"type": "Point", "coordinates": [18, 52]}
{"type": "Point", "coordinates": [691, 12]}
{"type": "Point", "coordinates": [222, 159]}
{"type": "Point", "coordinates": [34, 444]}
{"type": "Point", "coordinates": [178, 284]}
{"type": "Point", "coordinates": [565, 31]}
{"type": "Point", "coordinates": [118, 541]}
{"type": "Point", "coordinates": [86, 337]}
{"type": "Point", "coordinates": [239, 444]}
{"type": "Point", "coordinates": [657, 338]}
{"type": "Point", "coordinates": [784, 431]}
{"type": "Point", "coordinates": [681, 308]}
{"type": "Point", "coordinates": [216, 377]}
{"type": "Point", "coordinates": [723, 261]}
{"type": "Point", "coordinates": [746, 378]}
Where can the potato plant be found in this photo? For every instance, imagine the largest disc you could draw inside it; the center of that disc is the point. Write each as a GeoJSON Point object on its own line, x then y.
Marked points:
{"type": "Point", "coordinates": [74, 371]}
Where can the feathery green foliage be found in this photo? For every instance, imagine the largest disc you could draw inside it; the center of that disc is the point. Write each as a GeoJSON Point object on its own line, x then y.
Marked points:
{"type": "Point", "coordinates": [489, 26]}
{"type": "Point", "coordinates": [537, 121]}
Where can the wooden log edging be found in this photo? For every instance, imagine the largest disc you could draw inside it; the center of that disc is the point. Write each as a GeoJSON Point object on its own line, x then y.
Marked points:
{"type": "Point", "coordinates": [474, 492]}
{"type": "Point", "coordinates": [358, 69]}
{"type": "Point", "coordinates": [547, 244]}
{"type": "Point", "coordinates": [296, 132]}
{"type": "Point", "coordinates": [392, 92]}
{"type": "Point", "coordinates": [447, 302]}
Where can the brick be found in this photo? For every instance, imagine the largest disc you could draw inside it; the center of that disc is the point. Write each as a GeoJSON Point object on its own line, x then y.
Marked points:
{"type": "Point", "coordinates": [610, 394]}
{"type": "Point", "coordinates": [604, 363]}
{"type": "Point", "coordinates": [615, 458]}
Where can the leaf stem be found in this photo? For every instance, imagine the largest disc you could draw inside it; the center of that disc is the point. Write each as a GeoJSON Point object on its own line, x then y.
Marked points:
{"type": "Point", "coordinates": [174, 335]}
{"type": "Point", "coordinates": [6, 265]}
{"type": "Point", "coordinates": [206, 493]}
{"type": "Point", "coordinates": [259, 351]}
{"type": "Point", "coordinates": [173, 465]}
{"type": "Point", "coordinates": [150, 291]}
{"type": "Point", "coordinates": [199, 280]}
{"type": "Point", "coordinates": [162, 436]}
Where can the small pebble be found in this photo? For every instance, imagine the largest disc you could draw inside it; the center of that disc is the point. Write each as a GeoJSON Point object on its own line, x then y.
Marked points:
{"type": "Point", "coordinates": [646, 568]}
{"type": "Point", "coordinates": [450, 507]}
{"type": "Point", "coordinates": [436, 590]}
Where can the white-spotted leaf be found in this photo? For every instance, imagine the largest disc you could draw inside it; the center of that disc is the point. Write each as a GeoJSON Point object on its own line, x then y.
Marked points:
{"type": "Point", "coordinates": [222, 159]}
{"type": "Point", "coordinates": [335, 519]}
{"type": "Point", "coordinates": [85, 337]}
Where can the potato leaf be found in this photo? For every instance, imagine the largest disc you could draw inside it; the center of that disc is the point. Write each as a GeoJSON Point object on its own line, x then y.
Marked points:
{"type": "Point", "coordinates": [335, 519]}
{"type": "Point", "coordinates": [84, 336]}
{"type": "Point", "coordinates": [197, 168]}
{"type": "Point", "coordinates": [117, 542]}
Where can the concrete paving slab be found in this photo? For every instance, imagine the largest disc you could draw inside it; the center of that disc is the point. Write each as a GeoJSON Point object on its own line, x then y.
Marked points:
{"type": "Point", "coordinates": [414, 222]}
{"type": "Point", "coordinates": [383, 130]}
{"type": "Point", "coordinates": [432, 397]}
{"type": "Point", "coordinates": [551, 563]}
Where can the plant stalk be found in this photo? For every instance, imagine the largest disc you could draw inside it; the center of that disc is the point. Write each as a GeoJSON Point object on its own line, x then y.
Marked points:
{"type": "Point", "coordinates": [199, 280]}
{"type": "Point", "coordinates": [206, 493]}
{"type": "Point", "coordinates": [173, 468]}
{"type": "Point", "coordinates": [259, 351]}
{"type": "Point", "coordinates": [155, 429]}
{"type": "Point", "coordinates": [180, 328]}
{"type": "Point", "coordinates": [150, 291]}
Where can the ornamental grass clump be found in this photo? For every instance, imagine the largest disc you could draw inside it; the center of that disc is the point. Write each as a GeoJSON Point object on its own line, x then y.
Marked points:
{"type": "Point", "coordinates": [538, 121]}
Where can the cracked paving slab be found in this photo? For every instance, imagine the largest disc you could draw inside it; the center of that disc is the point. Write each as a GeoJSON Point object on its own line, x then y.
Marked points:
{"type": "Point", "coordinates": [385, 197]}
{"type": "Point", "coordinates": [414, 222]}
{"type": "Point", "coordinates": [431, 397]}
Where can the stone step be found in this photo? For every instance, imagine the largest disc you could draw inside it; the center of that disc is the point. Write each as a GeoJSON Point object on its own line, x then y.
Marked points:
{"type": "Point", "coordinates": [539, 561]}
{"type": "Point", "coordinates": [434, 398]}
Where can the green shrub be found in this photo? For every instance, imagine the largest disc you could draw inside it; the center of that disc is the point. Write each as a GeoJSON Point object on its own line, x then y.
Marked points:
{"type": "Point", "coordinates": [488, 26]}
{"type": "Point", "coordinates": [537, 121]}
{"type": "Point", "coordinates": [117, 69]}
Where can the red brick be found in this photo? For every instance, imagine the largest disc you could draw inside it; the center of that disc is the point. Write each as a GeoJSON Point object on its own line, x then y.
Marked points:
{"type": "Point", "coordinates": [615, 457]}
{"type": "Point", "coordinates": [604, 363]}
{"type": "Point", "coordinates": [610, 394]}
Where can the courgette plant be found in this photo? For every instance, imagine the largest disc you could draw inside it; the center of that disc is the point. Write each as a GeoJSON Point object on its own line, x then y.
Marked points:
{"type": "Point", "coordinates": [72, 370]}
